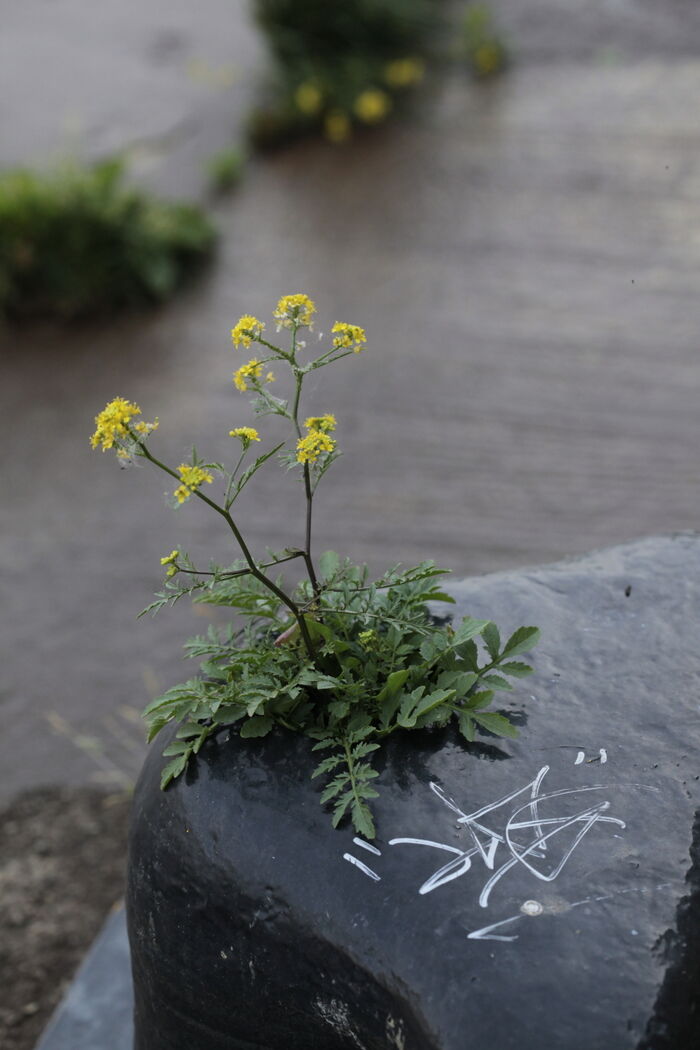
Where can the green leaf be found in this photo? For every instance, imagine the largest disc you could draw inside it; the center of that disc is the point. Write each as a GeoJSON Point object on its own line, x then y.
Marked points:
{"type": "Point", "coordinates": [494, 681]}
{"type": "Point", "coordinates": [478, 700]}
{"type": "Point", "coordinates": [362, 820]}
{"type": "Point", "coordinates": [365, 748]}
{"type": "Point", "coordinates": [466, 726]}
{"type": "Point", "coordinates": [433, 700]}
{"type": "Point", "coordinates": [393, 685]}
{"type": "Point", "coordinates": [460, 681]}
{"type": "Point", "coordinates": [328, 563]}
{"type": "Point", "coordinates": [517, 670]}
{"type": "Point", "coordinates": [492, 640]}
{"type": "Point", "coordinates": [340, 809]}
{"type": "Point", "coordinates": [258, 725]}
{"type": "Point", "coordinates": [521, 641]}
{"type": "Point", "coordinates": [468, 629]}
{"type": "Point", "coordinates": [335, 787]}
{"type": "Point", "coordinates": [469, 653]}
{"type": "Point", "coordinates": [176, 747]}
{"type": "Point", "coordinates": [495, 723]}
{"type": "Point", "coordinates": [171, 770]}
{"type": "Point", "coordinates": [327, 765]}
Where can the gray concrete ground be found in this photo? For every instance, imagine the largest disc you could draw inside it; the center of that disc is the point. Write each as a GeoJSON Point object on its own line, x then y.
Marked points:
{"type": "Point", "coordinates": [524, 256]}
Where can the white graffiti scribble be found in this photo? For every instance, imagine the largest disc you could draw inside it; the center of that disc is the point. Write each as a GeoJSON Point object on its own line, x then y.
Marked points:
{"type": "Point", "coordinates": [486, 841]}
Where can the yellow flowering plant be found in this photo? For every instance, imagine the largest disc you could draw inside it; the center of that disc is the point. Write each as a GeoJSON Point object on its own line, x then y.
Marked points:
{"type": "Point", "coordinates": [340, 658]}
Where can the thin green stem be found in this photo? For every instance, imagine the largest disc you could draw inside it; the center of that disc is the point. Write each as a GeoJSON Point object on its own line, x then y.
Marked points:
{"type": "Point", "coordinates": [253, 568]}
{"type": "Point", "coordinates": [308, 490]}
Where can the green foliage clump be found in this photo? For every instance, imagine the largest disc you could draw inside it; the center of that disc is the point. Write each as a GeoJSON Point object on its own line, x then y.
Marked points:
{"type": "Point", "coordinates": [77, 241]}
{"type": "Point", "coordinates": [380, 665]}
{"type": "Point", "coordinates": [225, 168]}
{"type": "Point", "coordinates": [481, 46]}
{"type": "Point", "coordinates": [342, 659]}
{"type": "Point", "coordinates": [341, 64]}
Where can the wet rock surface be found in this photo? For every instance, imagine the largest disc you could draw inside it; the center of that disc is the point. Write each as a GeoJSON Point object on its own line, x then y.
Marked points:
{"type": "Point", "coordinates": [520, 894]}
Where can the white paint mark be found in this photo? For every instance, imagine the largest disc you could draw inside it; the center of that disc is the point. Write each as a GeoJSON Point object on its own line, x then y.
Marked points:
{"type": "Point", "coordinates": [603, 756]}
{"type": "Point", "coordinates": [579, 758]}
{"type": "Point", "coordinates": [486, 934]}
{"type": "Point", "coordinates": [531, 908]}
{"type": "Point", "coordinates": [367, 845]}
{"type": "Point", "coordinates": [363, 867]}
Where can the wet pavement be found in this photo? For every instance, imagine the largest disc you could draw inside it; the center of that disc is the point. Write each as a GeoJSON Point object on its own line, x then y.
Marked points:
{"type": "Point", "coordinates": [524, 256]}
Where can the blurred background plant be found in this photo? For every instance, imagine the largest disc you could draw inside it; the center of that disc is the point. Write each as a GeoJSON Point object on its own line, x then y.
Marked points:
{"type": "Point", "coordinates": [340, 65]}
{"type": "Point", "coordinates": [480, 44]}
{"type": "Point", "coordinates": [225, 169]}
{"type": "Point", "coordinates": [77, 241]}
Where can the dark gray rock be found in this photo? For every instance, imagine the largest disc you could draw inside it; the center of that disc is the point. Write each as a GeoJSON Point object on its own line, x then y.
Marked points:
{"type": "Point", "coordinates": [543, 892]}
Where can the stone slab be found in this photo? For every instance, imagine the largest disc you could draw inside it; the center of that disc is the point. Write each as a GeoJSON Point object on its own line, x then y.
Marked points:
{"type": "Point", "coordinates": [528, 893]}
{"type": "Point", "coordinates": [96, 1013]}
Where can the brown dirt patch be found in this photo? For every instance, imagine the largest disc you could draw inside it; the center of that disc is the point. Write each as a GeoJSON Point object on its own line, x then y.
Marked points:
{"type": "Point", "coordinates": [62, 865]}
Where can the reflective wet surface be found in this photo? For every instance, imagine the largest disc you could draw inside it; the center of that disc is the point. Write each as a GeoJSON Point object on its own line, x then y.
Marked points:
{"type": "Point", "coordinates": [524, 256]}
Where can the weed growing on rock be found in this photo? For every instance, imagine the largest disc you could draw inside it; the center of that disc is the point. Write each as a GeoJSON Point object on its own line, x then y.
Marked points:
{"type": "Point", "coordinates": [342, 658]}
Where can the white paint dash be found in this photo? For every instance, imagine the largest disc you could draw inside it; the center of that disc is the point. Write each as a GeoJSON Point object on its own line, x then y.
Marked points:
{"type": "Point", "coordinates": [363, 867]}
{"type": "Point", "coordinates": [367, 845]}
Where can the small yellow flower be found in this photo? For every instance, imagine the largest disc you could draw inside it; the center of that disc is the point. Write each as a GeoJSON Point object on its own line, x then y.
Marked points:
{"type": "Point", "coordinates": [323, 423]}
{"type": "Point", "coordinates": [315, 443]}
{"type": "Point", "coordinates": [111, 423]}
{"type": "Point", "coordinates": [337, 126]}
{"type": "Point", "coordinates": [182, 493]}
{"type": "Point", "coordinates": [487, 59]}
{"type": "Point", "coordinates": [367, 639]}
{"type": "Point", "coordinates": [246, 331]}
{"type": "Point", "coordinates": [403, 72]}
{"type": "Point", "coordinates": [308, 98]}
{"type": "Point", "coordinates": [270, 377]}
{"type": "Point", "coordinates": [146, 428]}
{"type": "Point", "coordinates": [372, 105]}
{"type": "Point", "coordinates": [170, 560]}
{"type": "Point", "coordinates": [192, 478]}
{"type": "Point", "coordinates": [349, 337]}
{"type": "Point", "coordinates": [246, 434]}
{"type": "Point", "coordinates": [253, 371]}
{"type": "Point", "coordinates": [295, 310]}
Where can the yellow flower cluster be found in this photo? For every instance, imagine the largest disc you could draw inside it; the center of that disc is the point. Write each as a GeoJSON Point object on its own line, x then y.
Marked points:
{"type": "Point", "coordinates": [349, 336]}
{"type": "Point", "coordinates": [308, 98]}
{"type": "Point", "coordinates": [337, 126]}
{"type": "Point", "coordinates": [317, 441]}
{"type": "Point", "coordinates": [246, 434]}
{"type": "Point", "coordinates": [403, 72]}
{"type": "Point", "coordinates": [112, 422]}
{"type": "Point", "coordinates": [372, 105]}
{"type": "Point", "coordinates": [253, 370]}
{"type": "Point", "coordinates": [294, 310]}
{"type": "Point", "coordinates": [309, 448]}
{"type": "Point", "coordinates": [246, 331]}
{"type": "Point", "coordinates": [323, 423]}
{"type": "Point", "coordinates": [170, 560]}
{"type": "Point", "coordinates": [192, 478]}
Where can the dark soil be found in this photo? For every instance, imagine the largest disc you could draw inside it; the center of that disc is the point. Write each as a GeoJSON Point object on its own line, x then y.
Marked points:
{"type": "Point", "coordinates": [62, 864]}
